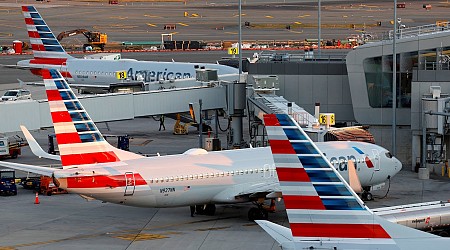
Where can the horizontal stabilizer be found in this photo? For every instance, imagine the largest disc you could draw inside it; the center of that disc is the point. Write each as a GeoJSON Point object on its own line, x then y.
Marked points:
{"type": "Point", "coordinates": [35, 147]}
{"type": "Point", "coordinates": [28, 168]}
{"type": "Point", "coordinates": [281, 234]}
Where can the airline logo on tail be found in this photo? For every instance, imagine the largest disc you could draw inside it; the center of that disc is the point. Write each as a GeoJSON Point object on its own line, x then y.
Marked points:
{"type": "Point", "coordinates": [78, 138]}
{"type": "Point", "coordinates": [43, 42]}
{"type": "Point", "coordinates": [309, 182]}
{"type": "Point", "coordinates": [46, 48]}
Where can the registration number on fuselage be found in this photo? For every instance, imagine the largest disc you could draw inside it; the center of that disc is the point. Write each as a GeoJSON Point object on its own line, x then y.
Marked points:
{"type": "Point", "coordinates": [166, 190]}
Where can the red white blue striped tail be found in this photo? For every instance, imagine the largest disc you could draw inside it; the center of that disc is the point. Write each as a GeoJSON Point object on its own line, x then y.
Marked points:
{"type": "Point", "coordinates": [320, 204]}
{"type": "Point", "coordinates": [45, 46]}
{"type": "Point", "coordinates": [79, 140]}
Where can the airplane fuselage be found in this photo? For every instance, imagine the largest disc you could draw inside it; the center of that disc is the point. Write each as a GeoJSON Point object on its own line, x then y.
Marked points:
{"type": "Point", "coordinates": [99, 72]}
{"type": "Point", "coordinates": [202, 177]}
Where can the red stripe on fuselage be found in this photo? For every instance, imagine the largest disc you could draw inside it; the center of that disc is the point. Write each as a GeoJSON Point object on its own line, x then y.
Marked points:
{"type": "Point", "coordinates": [68, 138]}
{"type": "Point", "coordinates": [303, 202]}
{"type": "Point", "coordinates": [102, 181]}
{"type": "Point", "coordinates": [281, 147]}
{"type": "Point", "coordinates": [290, 174]}
{"type": "Point", "coordinates": [271, 120]}
{"type": "Point", "coordinates": [89, 158]}
{"type": "Point", "coordinates": [61, 116]}
{"type": "Point", "coordinates": [338, 230]}
{"type": "Point", "coordinates": [52, 94]}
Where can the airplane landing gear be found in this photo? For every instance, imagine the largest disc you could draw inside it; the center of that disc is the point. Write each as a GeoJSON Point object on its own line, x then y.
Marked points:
{"type": "Point", "coordinates": [257, 213]}
{"type": "Point", "coordinates": [208, 209]}
{"type": "Point", "coordinates": [366, 195]}
{"type": "Point", "coordinates": [261, 212]}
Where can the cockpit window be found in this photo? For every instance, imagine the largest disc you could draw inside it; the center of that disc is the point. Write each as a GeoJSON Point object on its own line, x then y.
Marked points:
{"type": "Point", "coordinates": [389, 155]}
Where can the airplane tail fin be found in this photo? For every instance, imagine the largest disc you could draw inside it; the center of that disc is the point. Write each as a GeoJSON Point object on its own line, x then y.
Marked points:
{"type": "Point", "coordinates": [46, 48]}
{"type": "Point", "coordinates": [79, 140]}
{"type": "Point", "coordinates": [321, 207]}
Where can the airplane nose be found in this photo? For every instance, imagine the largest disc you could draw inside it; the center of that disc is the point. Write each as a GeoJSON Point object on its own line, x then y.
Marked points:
{"type": "Point", "coordinates": [397, 165]}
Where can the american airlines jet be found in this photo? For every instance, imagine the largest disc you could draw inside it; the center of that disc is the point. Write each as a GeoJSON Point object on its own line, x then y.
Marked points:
{"type": "Point", "coordinates": [323, 211]}
{"type": "Point", "coordinates": [97, 73]}
{"type": "Point", "coordinates": [95, 169]}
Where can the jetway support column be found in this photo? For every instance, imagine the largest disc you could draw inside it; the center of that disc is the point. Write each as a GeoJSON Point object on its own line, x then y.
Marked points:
{"type": "Point", "coordinates": [236, 100]}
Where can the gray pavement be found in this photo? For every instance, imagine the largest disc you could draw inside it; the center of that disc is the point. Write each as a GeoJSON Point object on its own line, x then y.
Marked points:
{"type": "Point", "coordinates": [70, 222]}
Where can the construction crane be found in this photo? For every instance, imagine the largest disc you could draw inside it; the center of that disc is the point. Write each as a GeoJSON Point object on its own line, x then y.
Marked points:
{"type": "Point", "coordinates": [95, 39]}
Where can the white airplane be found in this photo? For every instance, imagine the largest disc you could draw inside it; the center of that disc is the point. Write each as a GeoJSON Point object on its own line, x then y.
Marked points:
{"type": "Point", "coordinates": [98, 73]}
{"type": "Point", "coordinates": [95, 169]}
{"type": "Point", "coordinates": [323, 211]}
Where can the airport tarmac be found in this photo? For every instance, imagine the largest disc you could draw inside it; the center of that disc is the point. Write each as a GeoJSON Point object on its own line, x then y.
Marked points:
{"type": "Point", "coordinates": [217, 20]}
{"type": "Point", "coordinates": [70, 222]}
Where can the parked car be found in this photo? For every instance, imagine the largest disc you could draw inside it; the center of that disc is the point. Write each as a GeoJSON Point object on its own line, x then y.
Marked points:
{"type": "Point", "coordinates": [16, 94]}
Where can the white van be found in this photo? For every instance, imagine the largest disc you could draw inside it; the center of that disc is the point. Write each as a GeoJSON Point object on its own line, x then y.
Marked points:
{"type": "Point", "coordinates": [16, 94]}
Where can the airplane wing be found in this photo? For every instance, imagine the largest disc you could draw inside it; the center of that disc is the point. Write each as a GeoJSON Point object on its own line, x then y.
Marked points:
{"type": "Point", "coordinates": [35, 147]}
{"type": "Point", "coordinates": [15, 66]}
{"type": "Point", "coordinates": [281, 234]}
{"type": "Point", "coordinates": [28, 168]}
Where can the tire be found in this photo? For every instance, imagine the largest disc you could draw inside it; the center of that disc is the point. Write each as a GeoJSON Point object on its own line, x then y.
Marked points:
{"type": "Point", "coordinates": [253, 214]}
{"type": "Point", "coordinates": [200, 209]}
{"type": "Point", "coordinates": [210, 209]}
{"type": "Point", "coordinates": [369, 196]}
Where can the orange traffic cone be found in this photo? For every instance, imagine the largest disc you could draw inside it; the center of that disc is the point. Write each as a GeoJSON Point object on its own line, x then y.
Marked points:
{"type": "Point", "coordinates": [36, 201]}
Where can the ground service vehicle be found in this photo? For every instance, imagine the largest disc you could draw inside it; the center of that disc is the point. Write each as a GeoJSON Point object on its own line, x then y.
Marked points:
{"type": "Point", "coordinates": [47, 186]}
{"type": "Point", "coordinates": [7, 182]}
{"type": "Point", "coordinates": [95, 39]}
{"type": "Point", "coordinates": [11, 146]}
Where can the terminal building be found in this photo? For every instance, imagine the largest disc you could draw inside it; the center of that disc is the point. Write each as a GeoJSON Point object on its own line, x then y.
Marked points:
{"type": "Point", "coordinates": [357, 87]}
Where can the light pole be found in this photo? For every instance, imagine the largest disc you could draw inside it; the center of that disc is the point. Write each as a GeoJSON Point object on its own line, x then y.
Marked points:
{"type": "Point", "coordinates": [319, 33]}
{"type": "Point", "coordinates": [394, 82]}
{"type": "Point", "coordinates": [240, 39]}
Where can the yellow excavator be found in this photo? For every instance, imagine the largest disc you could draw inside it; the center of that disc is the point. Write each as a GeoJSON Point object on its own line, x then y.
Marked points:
{"type": "Point", "coordinates": [95, 38]}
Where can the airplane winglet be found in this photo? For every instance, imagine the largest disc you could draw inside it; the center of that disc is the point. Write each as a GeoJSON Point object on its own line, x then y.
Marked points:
{"type": "Point", "coordinates": [281, 234]}
{"type": "Point", "coordinates": [35, 147]}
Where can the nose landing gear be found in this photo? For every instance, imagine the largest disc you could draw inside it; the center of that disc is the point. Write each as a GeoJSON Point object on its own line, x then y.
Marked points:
{"type": "Point", "coordinates": [261, 211]}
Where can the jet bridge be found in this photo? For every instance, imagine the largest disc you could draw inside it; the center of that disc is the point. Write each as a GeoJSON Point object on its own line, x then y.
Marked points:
{"type": "Point", "coordinates": [35, 114]}
{"type": "Point", "coordinates": [263, 100]}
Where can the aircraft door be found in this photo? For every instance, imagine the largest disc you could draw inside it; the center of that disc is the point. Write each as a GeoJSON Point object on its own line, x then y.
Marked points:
{"type": "Point", "coordinates": [376, 160]}
{"type": "Point", "coordinates": [130, 184]}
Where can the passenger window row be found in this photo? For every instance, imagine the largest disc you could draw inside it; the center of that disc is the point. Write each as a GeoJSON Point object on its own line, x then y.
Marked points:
{"type": "Point", "coordinates": [100, 73]}
{"type": "Point", "coordinates": [209, 175]}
